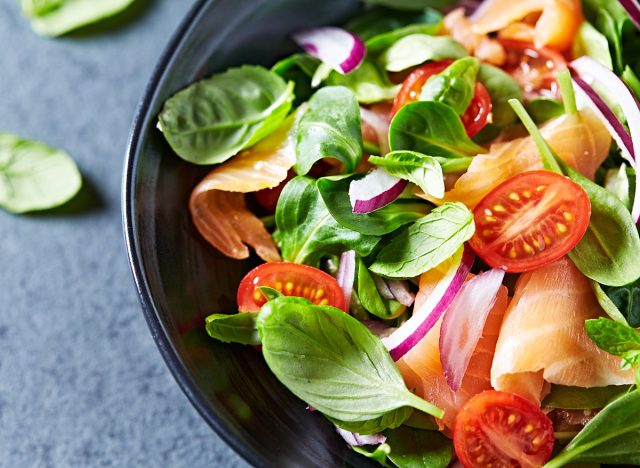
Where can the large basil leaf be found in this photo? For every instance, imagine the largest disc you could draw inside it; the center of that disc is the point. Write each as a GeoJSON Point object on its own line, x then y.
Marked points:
{"type": "Point", "coordinates": [420, 169]}
{"type": "Point", "coordinates": [454, 86]}
{"type": "Point", "coordinates": [298, 68]}
{"type": "Point", "coordinates": [416, 49]}
{"type": "Point", "coordinates": [57, 17]}
{"type": "Point", "coordinates": [214, 119]}
{"type": "Point", "coordinates": [431, 128]}
{"type": "Point", "coordinates": [367, 82]}
{"type": "Point", "coordinates": [501, 88]}
{"type": "Point", "coordinates": [411, 4]}
{"type": "Point", "coordinates": [415, 448]}
{"type": "Point", "coordinates": [233, 328]}
{"type": "Point", "coordinates": [330, 128]}
{"type": "Point", "coordinates": [34, 176]}
{"type": "Point", "coordinates": [579, 398]}
{"type": "Point", "coordinates": [370, 297]}
{"type": "Point", "coordinates": [380, 20]}
{"type": "Point", "coordinates": [612, 437]}
{"type": "Point", "coordinates": [333, 362]}
{"type": "Point", "coordinates": [385, 40]}
{"type": "Point", "coordinates": [306, 230]}
{"type": "Point", "coordinates": [426, 243]}
{"type": "Point", "coordinates": [335, 193]}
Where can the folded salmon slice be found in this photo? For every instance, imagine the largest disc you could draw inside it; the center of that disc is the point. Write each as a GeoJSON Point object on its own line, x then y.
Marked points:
{"type": "Point", "coordinates": [543, 339]}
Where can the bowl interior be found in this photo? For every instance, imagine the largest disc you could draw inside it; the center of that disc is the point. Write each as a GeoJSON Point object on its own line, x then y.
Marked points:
{"type": "Point", "coordinates": [180, 278]}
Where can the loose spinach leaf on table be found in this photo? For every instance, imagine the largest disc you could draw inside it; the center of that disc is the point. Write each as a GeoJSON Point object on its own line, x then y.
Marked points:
{"type": "Point", "coordinates": [298, 68]}
{"type": "Point", "coordinates": [420, 169]}
{"type": "Point", "coordinates": [367, 82]}
{"type": "Point", "coordinates": [58, 17]}
{"type": "Point", "coordinates": [416, 49]}
{"type": "Point", "coordinates": [335, 193]}
{"type": "Point", "coordinates": [379, 20]}
{"type": "Point", "coordinates": [305, 229]}
{"type": "Point", "coordinates": [234, 328]}
{"type": "Point", "coordinates": [579, 398]}
{"type": "Point", "coordinates": [502, 88]}
{"type": "Point", "coordinates": [333, 362]}
{"type": "Point", "coordinates": [330, 128]}
{"type": "Point", "coordinates": [34, 176]}
{"type": "Point", "coordinates": [415, 448]}
{"type": "Point", "coordinates": [371, 299]}
{"type": "Point", "coordinates": [426, 243]}
{"type": "Point", "coordinates": [454, 86]}
{"type": "Point", "coordinates": [214, 119]}
{"type": "Point", "coordinates": [431, 128]}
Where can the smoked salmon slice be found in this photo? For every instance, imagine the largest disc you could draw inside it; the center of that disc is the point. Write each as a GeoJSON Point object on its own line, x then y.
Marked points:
{"type": "Point", "coordinates": [543, 339]}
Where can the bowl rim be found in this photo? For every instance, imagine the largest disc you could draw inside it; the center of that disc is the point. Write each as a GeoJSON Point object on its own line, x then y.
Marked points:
{"type": "Point", "coordinates": [158, 331]}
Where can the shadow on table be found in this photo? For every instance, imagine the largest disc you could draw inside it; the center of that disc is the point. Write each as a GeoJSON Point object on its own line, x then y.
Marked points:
{"type": "Point", "coordinates": [88, 200]}
{"type": "Point", "coordinates": [135, 12]}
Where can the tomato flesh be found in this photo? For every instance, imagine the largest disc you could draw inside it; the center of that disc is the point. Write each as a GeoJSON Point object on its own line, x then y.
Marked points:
{"type": "Point", "coordinates": [501, 429]}
{"type": "Point", "coordinates": [291, 279]}
{"type": "Point", "coordinates": [530, 220]}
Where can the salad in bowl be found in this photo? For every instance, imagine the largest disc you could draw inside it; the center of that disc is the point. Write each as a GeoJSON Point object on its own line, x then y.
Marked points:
{"type": "Point", "coordinates": [445, 203]}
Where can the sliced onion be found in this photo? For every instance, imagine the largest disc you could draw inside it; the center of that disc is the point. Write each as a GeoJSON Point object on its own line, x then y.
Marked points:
{"type": "Point", "coordinates": [337, 47]}
{"type": "Point", "coordinates": [354, 439]}
{"type": "Point", "coordinates": [633, 9]}
{"type": "Point", "coordinates": [347, 274]}
{"type": "Point", "coordinates": [375, 190]}
{"type": "Point", "coordinates": [401, 292]}
{"type": "Point", "coordinates": [383, 287]}
{"type": "Point", "coordinates": [413, 330]}
{"type": "Point", "coordinates": [379, 125]}
{"type": "Point", "coordinates": [463, 324]}
{"type": "Point", "coordinates": [378, 328]}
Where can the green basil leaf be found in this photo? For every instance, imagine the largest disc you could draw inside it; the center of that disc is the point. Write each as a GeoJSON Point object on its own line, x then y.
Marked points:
{"type": "Point", "coordinates": [590, 42]}
{"type": "Point", "coordinates": [626, 300]}
{"type": "Point", "coordinates": [379, 20]}
{"type": "Point", "coordinates": [306, 230]}
{"type": "Point", "coordinates": [607, 304]}
{"type": "Point", "coordinates": [579, 398]}
{"type": "Point", "coordinates": [34, 176]}
{"type": "Point", "coordinates": [372, 301]}
{"type": "Point", "coordinates": [378, 454]}
{"type": "Point", "coordinates": [431, 128]}
{"type": "Point", "coordinates": [341, 368]}
{"type": "Point", "coordinates": [415, 448]}
{"type": "Point", "coordinates": [214, 119]}
{"type": "Point", "coordinates": [416, 49]}
{"type": "Point", "coordinates": [613, 337]}
{"type": "Point", "coordinates": [411, 4]}
{"type": "Point", "coordinates": [392, 419]}
{"type": "Point", "coordinates": [367, 82]}
{"type": "Point", "coordinates": [543, 108]}
{"type": "Point", "coordinates": [299, 69]}
{"type": "Point", "coordinates": [234, 328]}
{"type": "Point", "coordinates": [454, 86]}
{"type": "Point", "coordinates": [58, 17]}
{"type": "Point", "coordinates": [426, 243]}
{"type": "Point", "coordinates": [335, 193]}
{"type": "Point", "coordinates": [612, 437]}
{"type": "Point", "coordinates": [501, 87]}
{"type": "Point", "coordinates": [330, 128]}
{"type": "Point", "coordinates": [420, 169]}
{"type": "Point", "coordinates": [385, 40]}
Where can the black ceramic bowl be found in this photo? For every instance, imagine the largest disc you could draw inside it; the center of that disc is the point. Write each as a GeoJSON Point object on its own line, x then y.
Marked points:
{"type": "Point", "coordinates": [180, 278]}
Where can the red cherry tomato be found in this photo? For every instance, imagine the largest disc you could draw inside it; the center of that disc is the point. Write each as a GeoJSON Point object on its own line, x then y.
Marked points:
{"type": "Point", "coordinates": [476, 115]}
{"type": "Point", "coordinates": [502, 429]}
{"type": "Point", "coordinates": [530, 220]}
{"type": "Point", "coordinates": [291, 279]}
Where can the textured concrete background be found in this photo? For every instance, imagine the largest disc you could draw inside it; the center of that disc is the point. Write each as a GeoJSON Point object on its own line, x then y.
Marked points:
{"type": "Point", "coordinates": [81, 381]}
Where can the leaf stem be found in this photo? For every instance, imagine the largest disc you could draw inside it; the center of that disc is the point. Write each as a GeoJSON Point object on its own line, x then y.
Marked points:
{"type": "Point", "coordinates": [426, 407]}
{"type": "Point", "coordinates": [371, 148]}
{"type": "Point", "coordinates": [566, 89]}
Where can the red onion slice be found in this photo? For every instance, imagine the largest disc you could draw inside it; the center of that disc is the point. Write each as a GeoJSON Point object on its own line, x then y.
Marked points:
{"type": "Point", "coordinates": [383, 287]}
{"type": "Point", "coordinates": [346, 275]}
{"type": "Point", "coordinates": [354, 439]}
{"type": "Point", "coordinates": [379, 125]}
{"type": "Point", "coordinates": [463, 324]}
{"type": "Point", "coordinates": [413, 330]}
{"type": "Point", "coordinates": [401, 292]}
{"type": "Point", "coordinates": [338, 48]}
{"type": "Point", "coordinates": [633, 9]}
{"type": "Point", "coordinates": [374, 191]}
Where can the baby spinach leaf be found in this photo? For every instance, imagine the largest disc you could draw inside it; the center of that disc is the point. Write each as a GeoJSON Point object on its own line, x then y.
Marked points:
{"type": "Point", "coordinates": [212, 120]}
{"type": "Point", "coordinates": [306, 230]}
{"type": "Point", "coordinates": [34, 176]}
{"type": "Point", "coordinates": [378, 454]}
{"type": "Point", "coordinates": [371, 299]}
{"type": "Point", "coordinates": [385, 40]}
{"type": "Point", "coordinates": [335, 193]}
{"type": "Point", "coordinates": [367, 82]}
{"type": "Point", "coordinates": [415, 448]}
{"type": "Point", "coordinates": [590, 42]}
{"type": "Point", "coordinates": [501, 87]}
{"type": "Point", "coordinates": [431, 128]}
{"type": "Point", "coordinates": [234, 328]}
{"type": "Point", "coordinates": [580, 398]}
{"type": "Point", "coordinates": [426, 243]}
{"type": "Point", "coordinates": [607, 304]}
{"type": "Point", "coordinates": [391, 419]}
{"type": "Point", "coordinates": [333, 362]}
{"type": "Point", "coordinates": [58, 17]}
{"type": "Point", "coordinates": [454, 86]}
{"type": "Point", "coordinates": [416, 49]}
{"type": "Point", "coordinates": [298, 68]}
{"type": "Point", "coordinates": [544, 108]}
{"type": "Point", "coordinates": [418, 168]}
{"type": "Point", "coordinates": [330, 128]}
{"type": "Point", "coordinates": [379, 20]}
{"type": "Point", "coordinates": [612, 437]}
{"type": "Point", "coordinates": [626, 299]}
{"type": "Point", "coordinates": [411, 4]}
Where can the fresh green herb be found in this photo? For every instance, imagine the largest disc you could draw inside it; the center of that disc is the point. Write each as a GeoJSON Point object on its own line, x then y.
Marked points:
{"type": "Point", "coordinates": [306, 231]}
{"type": "Point", "coordinates": [501, 87]}
{"type": "Point", "coordinates": [269, 293]}
{"type": "Point", "coordinates": [612, 437]}
{"type": "Point", "coordinates": [335, 193]}
{"type": "Point", "coordinates": [607, 304]}
{"type": "Point", "coordinates": [590, 42]}
{"type": "Point", "coordinates": [431, 128]}
{"type": "Point", "coordinates": [616, 181]}
{"type": "Point", "coordinates": [542, 109]}
{"type": "Point", "coordinates": [214, 119]}
{"type": "Point", "coordinates": [626, 299]}
{"type": "Point", "coordinates": [568, 95]}
{"type": "Point", "coordinates": [411, 4]}
{"type": "Point", "coordinates": [454, 86]}
{"type": "Point", "coordinates": [415, 448]}
{"type": "Point", "coordinates": [299, 69]}
{"type": "Point", "coordinates": [380, 20]}
{"type": "Point", "coordinates": [341, 368]}
{"type": "Point", "coordinates": [330, 128]}
{"type": "Point", "coordinates": [632, 80]}
{"type": "Point", "coordinates": [371, 299]}
{"type": "Point", "coordinates": [378, 454]}
{"type": "Point", "coordinates": [416, 49]}
{"type": "Point", "coordinates": [234, 328]}
{"type": "Point", "coordinates": [372, 426]}
{"type": "Point", "coordinates": [617, 339]}
{"type": "Point", "coordinates": [426, 243]}
{"type": "Point", "coordinates": [367, 82]}
{"type": "Point", "coordinates": [418, 168]}
{"type": "Point", "coordinates": [34, 176]}
{"type": "Point", "coordinates": [579, 398]}
{"type": "Point", "coordinates": [383, 41]}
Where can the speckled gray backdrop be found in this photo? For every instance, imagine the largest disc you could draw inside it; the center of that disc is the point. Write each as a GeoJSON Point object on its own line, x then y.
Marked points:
{"type": "Point", "coordinates": [81, 381]}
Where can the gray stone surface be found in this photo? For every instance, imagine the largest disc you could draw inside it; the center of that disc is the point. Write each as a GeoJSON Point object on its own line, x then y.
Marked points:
{"type": "Point", "coordinates": [81, 381]}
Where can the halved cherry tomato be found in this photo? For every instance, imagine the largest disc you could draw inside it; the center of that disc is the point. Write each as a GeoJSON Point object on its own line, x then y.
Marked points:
{"type": "Point", "coordinates": [530, 220]}
{"type": "Point", "coordinates": [534, 69]}
{"type": "Point", "coordinates": [502, 429]}
{"type": "Point", "coordinates": [291, 279]}
{"type": "Point", "coordinates": [476, 114]}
